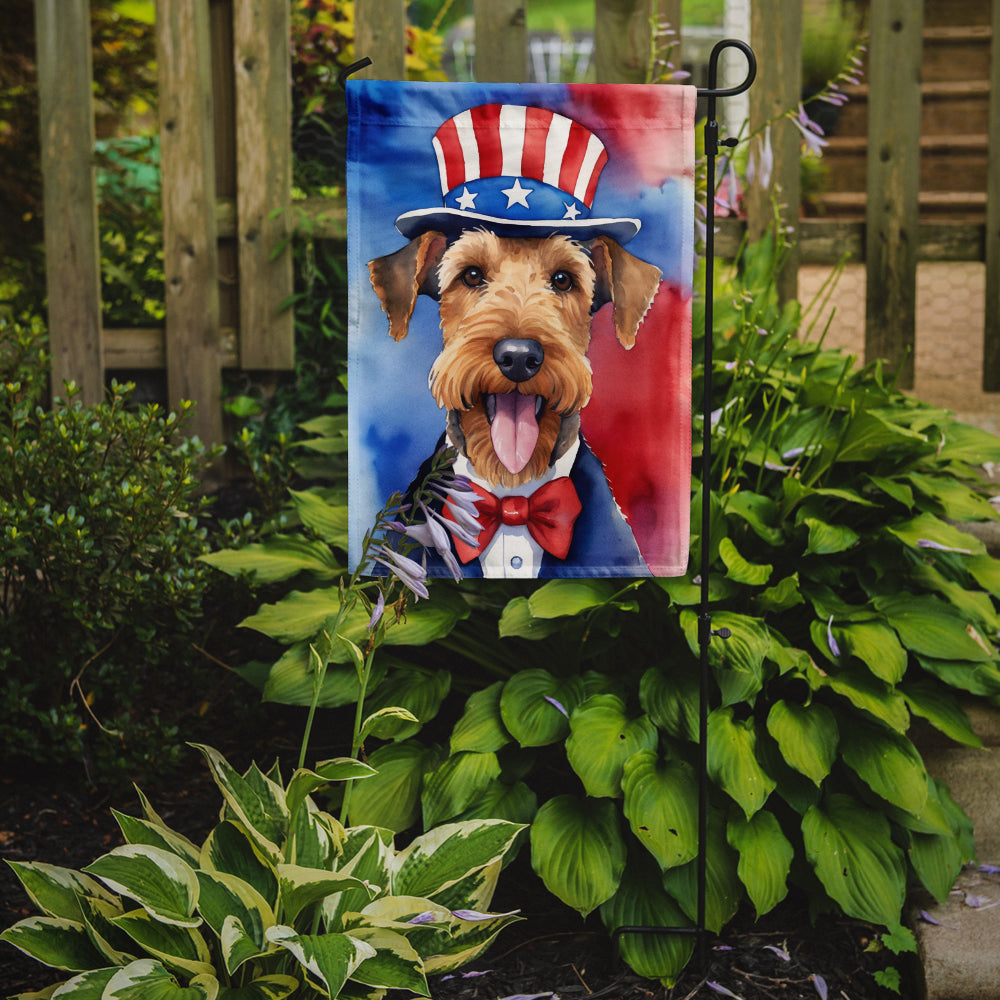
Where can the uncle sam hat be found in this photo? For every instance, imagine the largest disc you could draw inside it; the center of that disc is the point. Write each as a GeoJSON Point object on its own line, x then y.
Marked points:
{"type": "Point", "coordinates": [517, 171]}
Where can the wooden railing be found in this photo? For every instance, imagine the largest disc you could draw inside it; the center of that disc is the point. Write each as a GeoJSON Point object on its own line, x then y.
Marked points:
{"type": "Point", "coordinates": [226, 160]}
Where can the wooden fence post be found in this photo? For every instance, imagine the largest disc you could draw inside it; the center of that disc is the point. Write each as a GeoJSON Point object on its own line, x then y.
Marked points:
{"type": "Point", "coordinates": [380, 34]}
{"type": "Point", "coordinates": [72, 255]}
{"type": "Point", "coordinates": [623, 37]}
{"type": "Point", "coordinates": [190, 251]}
{"type": "Point", "coordinates": [892, 214]}
{"type": "Point", "coordinates": [262, 61]}
{"type": "Point", "coordinates": [776, 35]}
{"type": "Point", "coordinates": [991, 331]}
{"type": "Point", "coordinates": [501, 41]}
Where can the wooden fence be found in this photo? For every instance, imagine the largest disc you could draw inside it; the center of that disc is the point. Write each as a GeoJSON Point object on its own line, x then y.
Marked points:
{"type": "Point", "coordinates": [226, 161]}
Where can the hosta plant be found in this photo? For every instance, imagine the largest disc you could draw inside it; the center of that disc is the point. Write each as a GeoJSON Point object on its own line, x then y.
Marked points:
{"type": "Point", "coordinates": [279, 900]}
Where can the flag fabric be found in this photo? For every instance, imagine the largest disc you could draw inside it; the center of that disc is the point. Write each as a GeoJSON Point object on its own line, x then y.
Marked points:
{"type": "Point", "coordinates": [520, 268]}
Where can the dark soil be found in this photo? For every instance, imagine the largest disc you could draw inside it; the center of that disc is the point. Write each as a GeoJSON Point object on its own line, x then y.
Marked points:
{"type": "Point", "coordinates": [551, 952]}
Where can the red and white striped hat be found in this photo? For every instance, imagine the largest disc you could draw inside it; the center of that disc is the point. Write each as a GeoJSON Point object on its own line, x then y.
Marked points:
{"type": "Point", "coordinates": [518, 171]}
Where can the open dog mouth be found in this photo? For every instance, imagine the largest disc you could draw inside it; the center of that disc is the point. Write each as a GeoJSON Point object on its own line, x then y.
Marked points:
{"type": "Point", "coordinates": [513, 421]}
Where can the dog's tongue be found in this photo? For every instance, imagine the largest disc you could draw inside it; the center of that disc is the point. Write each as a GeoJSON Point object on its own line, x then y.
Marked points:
{"type": "Point", "coordinates": [514, 429]}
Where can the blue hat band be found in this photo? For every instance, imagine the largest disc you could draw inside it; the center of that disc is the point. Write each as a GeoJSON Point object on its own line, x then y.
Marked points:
{"type": "Point", "coordinates": [515, 198]}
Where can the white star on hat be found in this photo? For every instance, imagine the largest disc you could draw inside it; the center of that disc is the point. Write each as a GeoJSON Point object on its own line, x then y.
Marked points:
{"type": "Point", "coordinates": [571, 210]}
{"type": "Point", "coordinates": [467, 200]}
{"type": "Point", "coordinates": [517, 195]}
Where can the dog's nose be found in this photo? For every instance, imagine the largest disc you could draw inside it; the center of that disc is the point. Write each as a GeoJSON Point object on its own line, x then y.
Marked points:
{"type": "Point", "coordinates": [518, 359]}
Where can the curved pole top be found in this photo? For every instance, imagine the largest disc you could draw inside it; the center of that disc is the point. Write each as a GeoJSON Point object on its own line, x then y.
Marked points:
{"type": "Point", "coordinates": [713, 69]}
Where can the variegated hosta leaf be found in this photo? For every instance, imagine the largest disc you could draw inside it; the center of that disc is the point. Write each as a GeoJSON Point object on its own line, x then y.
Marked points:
{"type": "Point", "coordinates": [158, 880]}
{"type": "Point", "coordinates": [315, 838]}
{"type": "Point", "coordinates": [395, 964]}
{"type": "Point", "coordinates": [329, 959]}
{"type": "Point", "coordinates": [441, 857]}
{"type": "Point", "coordinates": [54, 941]}
{"type": "Point", "coordinates": [98, 915]}
{"type": "Point", "coordinates": [177, 947]}
{"type": "Point", "coordinates": [888, 763]}
{"type": "Point", "coordinates": [300, 887]}
{"type": "Point", "coordinates": [304, 782]}
{"type": "Point", "coordinates": [256, 801]}
{"type": "Point", "coordinates": [732, 760]}
{"type": "Point", "coordinates": [274, 987]}
{"type": "Point", "coordinates": [535, 706]}
{"type": "Point", "coordinates": [765, 858]}
{"type": "Point", "coordinates": [723, 889]}
{"type": "Point", "coordinates": [807, 736]}
{"type": "Point", "coordinates": [230, 849]}
{"type": "Point", "coordinates": [850, 847]}
{"type": "Point", "coordinates": [578, 851]}
{"type": "Point", "coordinates": [642, 902]}
{"type": "Point", "coordinates": [602, 737]}
{"type": "Point", "coordinates": [456, 784]}
{"type": "Point", "coordinates": [225, 897]}
{"type": "Point", "coordinates": [367, 853]}
{"type": "Point", "coordinates": [56, 891]}
{"type": "Point", "coordinates": [481, 727]}
{"type": "Point", "coordinates": [141, 831]}
{"type": "Point", "coordinates": [476, 890]}
{"type": "Point", "coordinates": [147, 979]}
{"type": "Point", "coordinates": [661, 805]}
{"type": "Point", "coordinates": [86, 986]}
{"type": "Point", "coordinates": [467, 940]}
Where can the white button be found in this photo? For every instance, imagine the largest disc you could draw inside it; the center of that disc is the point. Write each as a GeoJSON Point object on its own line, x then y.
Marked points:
{"type": "Point", "coordinates": [516, 562]}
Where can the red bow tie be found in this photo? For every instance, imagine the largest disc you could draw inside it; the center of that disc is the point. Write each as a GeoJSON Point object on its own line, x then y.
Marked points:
{"type": "Point", "coordinates": [549, 513]}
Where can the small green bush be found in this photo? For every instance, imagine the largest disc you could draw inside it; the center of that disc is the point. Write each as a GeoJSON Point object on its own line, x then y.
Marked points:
{"type": "Point", "coordinates": [99, 578]}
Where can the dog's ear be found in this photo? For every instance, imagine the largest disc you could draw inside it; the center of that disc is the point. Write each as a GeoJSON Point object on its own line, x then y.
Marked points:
{"type": "Point", "coordinates": [400, 277]}
{"type": "Point", "coordinates": [625, 281]}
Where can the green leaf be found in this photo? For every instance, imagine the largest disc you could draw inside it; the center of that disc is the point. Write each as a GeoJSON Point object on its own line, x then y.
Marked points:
{"type": "Point", "coordinates": [723, 889]}
{"type": "Point", "coordinates": [661, 799]}
{"type": "Point", "coordinates": [941, 709]}
{"type": "Point", "coordinates": [456, 784]}
{"type": "Point", "coordinates": [527, 706]}
{"type": "Point", "coordinates": [54, 941]}
{"type": "Point", "coordinates": [738, 661]}
{"type": "Point", "coordinates": [931, 628]}
{"type": "Point", "coordinates": [807, 736]}
{"type": "Point", "coordinates": [965, 443]}
{"type": "Point", "coordinates": [395, 964]}
{"type": "Point", "coordinates": [391, 798]}
{"type": "Point", "coordinates": [418, 691]}
{"type": "Point", "coordinates": [783, 595]}
{"type": "Point", "coordinates": [559, 598]}
{"type": "Point", "coordinates": [438, 859]}
{"type": "Point", "coordinates": [56, 891]}
{"type": "Point", "coordinates": [86, 986]}
{"type": "Point", "coordinates": [976, 678]}
{"type": "Point", "coordinates": [163, 884]}
{"type": "Point", "coordinates": [225, 897]}
{"type": "Point", "coordinates": [828, 539]}
{"type": "Point", "coordinates": [870, 435]}
{"type": "Point", "coordinates": [957, 501]}
{"type": "Point", "coordinates": [732, 760]}
{"type": "Point", "coordinates": [866, 692]}
{"type": "Point", "coordinates": [927, 527]}
{"type": "Point", "coordinates": [765, 858]}
{"type": "Point", "coordinates": [850, 848]}
{"type": "Point", "coordinates": [279, 558]}
{"type": "Point", "coordinates": [327, 520]}
{"type": "Point", "coordinates": [275, 987]}
{"type": "Point", "coordinates": [516, 803]}
{"type": "Point", "coordinates": [738, 569]}
{"type": "Point", "coordinates": [671, 700]}
{"type": "Point", "coordinates": [640, 901]}
{"type": "Point", "coordinates": [577, 850]}
{"type": "Point", "coordinates": [147, 979]}
{"type": "Point", "coordinates": [517, 620]}
{"type": "Point", "coordinates": [601, 739]}
{"type": "Point", "coordinates": [304, 782]}
{"type": "Point", "coordinates": [888, 763]}
{"type": "Point", "coordinates": [386, 722]}
{"type": "Point", "coordinates": [331, 959]}
{"type": "Point", "coordinates": [986, 571]}
{"type": "Point", "coordinates": [876, 646]}
{"type": "Point", "coordinates": [181, 948]}
{"type": "Point", "coordinates": [758, 511]}
{"type": "Point", "coordinates": [481, 727]}
{"type": "Point", "coordinates": [292, 680]}
{"type": "Point", "coordinates": [141, 831]}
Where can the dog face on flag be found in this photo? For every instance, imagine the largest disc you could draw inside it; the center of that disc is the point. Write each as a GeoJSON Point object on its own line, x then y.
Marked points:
{"type": "Point", "coordinates": [519, 267]}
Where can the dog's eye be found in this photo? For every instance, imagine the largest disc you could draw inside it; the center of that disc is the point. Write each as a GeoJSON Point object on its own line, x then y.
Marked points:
{"type": "Point", "coordinates": [473, 277]}
{"type": "Point", "coordinates": [562, 281]}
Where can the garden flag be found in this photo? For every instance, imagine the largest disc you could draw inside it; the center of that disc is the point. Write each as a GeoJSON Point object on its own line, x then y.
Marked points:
{"type": "Point", "coordinates": [520, 261]}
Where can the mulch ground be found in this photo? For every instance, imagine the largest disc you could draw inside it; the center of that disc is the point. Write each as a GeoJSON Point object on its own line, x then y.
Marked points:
{"type": "Point", "coordinates": [551, 952]}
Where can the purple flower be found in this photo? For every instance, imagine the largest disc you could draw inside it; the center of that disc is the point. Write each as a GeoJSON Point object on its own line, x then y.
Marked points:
{"type": "Point", "coordinates": [780, 952]}
{"type": "Point", "coordinates": [475, 915]}
{"type": "Point", "coordinates": [377, 611]}
{"type": "Point", "coordinates": [927, 543]}
{"type": "Point", "coordinates": [834, 648]}
{"type": "Point", "coordinates": [761, 163]}
{"type": "Point", "coordinates": [427, 917]}
{"type": "Point", "coordinates": [811, 132]}
{"type": "Point", "coordinates": [558, 705]}
{"type": "Point", "coordinates": [719, 988]}
{"type": "Point", "coordinates": [412, 575]}
{"type": "Point", "coordinates": [820, 983]}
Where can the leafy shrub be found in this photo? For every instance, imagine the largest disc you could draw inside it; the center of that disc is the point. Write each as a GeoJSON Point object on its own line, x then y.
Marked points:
{"type": "Point", "coordinates": [279, 899]}
{"type": "Point", "coordinates": [99, 539]}
{"type": "Point", "coordinates": [854, 603]}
